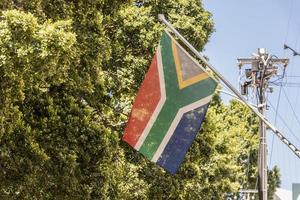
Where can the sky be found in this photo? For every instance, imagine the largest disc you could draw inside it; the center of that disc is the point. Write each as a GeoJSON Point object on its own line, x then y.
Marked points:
{"type": "Point", "coordinates": [241, 27]}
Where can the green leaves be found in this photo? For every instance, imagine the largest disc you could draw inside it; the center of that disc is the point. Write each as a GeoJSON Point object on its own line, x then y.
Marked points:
{"type": "Point", "coordinates": [273, 181]}
{"type": "Point", "coordinates": [69, 72]}
{"type": "Point", "coordinates": [35, 53]}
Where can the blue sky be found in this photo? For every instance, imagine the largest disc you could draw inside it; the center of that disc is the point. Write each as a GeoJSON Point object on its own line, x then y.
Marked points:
{"type": "Point", "coordinates": [241, 28]}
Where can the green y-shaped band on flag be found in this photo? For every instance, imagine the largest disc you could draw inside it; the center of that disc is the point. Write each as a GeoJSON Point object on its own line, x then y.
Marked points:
{"type": "Point", "coordinates": [180, 92]}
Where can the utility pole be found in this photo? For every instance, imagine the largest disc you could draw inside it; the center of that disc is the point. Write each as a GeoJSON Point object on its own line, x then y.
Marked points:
{"type": "Point", "coordinates": [263, 66]}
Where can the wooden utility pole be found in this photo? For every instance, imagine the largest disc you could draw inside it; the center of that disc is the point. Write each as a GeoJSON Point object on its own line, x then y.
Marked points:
{"type": "Point", "coordinates": [263, 66]}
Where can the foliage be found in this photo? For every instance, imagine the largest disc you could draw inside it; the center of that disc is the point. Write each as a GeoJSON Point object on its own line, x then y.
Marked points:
{"type": "Point", "coordinates": [273, 181]}
{"type": "Point", "coordinates": [68, 70]}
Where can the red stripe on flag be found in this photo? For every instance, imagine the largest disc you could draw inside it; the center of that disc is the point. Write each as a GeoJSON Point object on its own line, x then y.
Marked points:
{"type": "Point", "coordinates": [144, 105]}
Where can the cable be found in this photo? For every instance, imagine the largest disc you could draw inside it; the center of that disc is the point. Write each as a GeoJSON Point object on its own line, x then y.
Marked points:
{"type": "Point", "coordinates": [285, 124]}
{"type": "Point", "coordinates": [291, 86]}
{"type": "Point", "coordinates": [292, 76]}
{"type": "Point", "coordinates": [289, 102]}
{"type": "Point", "coordinates": [275, 122]}
{"type": "Point", "coordinates": [289, 21]}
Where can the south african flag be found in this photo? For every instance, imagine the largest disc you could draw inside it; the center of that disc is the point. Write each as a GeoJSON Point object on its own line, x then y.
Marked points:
{"type": "Point", "coordinates": [170, 106]}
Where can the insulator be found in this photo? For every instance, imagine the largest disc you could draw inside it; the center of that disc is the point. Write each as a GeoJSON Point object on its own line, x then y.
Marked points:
{"type": "Point", "coordinates": [248, 73]}
{"type": "Point", "coordinates": [244, 89]}
{"type": "Point", "coordinates": [255, 66]}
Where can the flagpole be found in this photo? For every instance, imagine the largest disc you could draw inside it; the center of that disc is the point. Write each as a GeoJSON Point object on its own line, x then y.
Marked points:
{"type": "Point", "coordinates": [231, 87]}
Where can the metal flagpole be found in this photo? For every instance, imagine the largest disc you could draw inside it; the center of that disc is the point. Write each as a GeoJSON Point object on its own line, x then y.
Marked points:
{"type": "Point", "coordinates": [231, 87]}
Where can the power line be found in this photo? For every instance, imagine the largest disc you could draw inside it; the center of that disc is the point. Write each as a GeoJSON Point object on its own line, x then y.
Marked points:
{"type": "Point", "coordinates": [287, 84]}
{"type": "Point", "coordinates": [289, 21]}
{"type": "Point", "coordinates": [284, 122]}
{"type": "Point", "coordinates": [293, 76]}
{"type": "Point", "coordinates": [290, 104]}
{"type": "Point", "coordinates": [275, 121]}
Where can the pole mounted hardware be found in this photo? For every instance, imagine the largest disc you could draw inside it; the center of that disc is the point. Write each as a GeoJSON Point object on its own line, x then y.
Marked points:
{"type": "Point", "coordinates": [258, 71]}
{"type": "Point", "coordinates": [295, 53]}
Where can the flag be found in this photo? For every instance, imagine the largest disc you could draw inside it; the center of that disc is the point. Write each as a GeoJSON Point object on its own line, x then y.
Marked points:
{"type": "Point", "coordinates": [170, 106]}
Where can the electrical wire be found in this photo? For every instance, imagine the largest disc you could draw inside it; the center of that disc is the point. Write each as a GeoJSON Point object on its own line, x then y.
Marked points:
{"type": "Point", "coordinates": [289, 21]}
{"type": "Point", "coordinates": [284, 122]}
{"type": "Point", "coordinates": [289, 85]}
{"type": "Point", "coordinates": [292, 108]}
{"type": "Point", "coordinates": [275, 123]}
{"type": "Point", "coordinates": [292, 76]}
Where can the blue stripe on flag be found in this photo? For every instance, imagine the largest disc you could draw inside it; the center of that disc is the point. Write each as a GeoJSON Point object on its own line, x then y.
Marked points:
{"type": "Point", "coordinates": [182, 139]}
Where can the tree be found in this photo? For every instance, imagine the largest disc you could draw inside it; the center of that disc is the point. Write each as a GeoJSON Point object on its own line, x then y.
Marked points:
{"type": "Point", "coordinates": [273, 181]}
{"type": "Point", "coordinates": [53, 144]}
{"type": "Point", "coordinates": [68, 70]}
